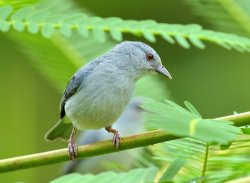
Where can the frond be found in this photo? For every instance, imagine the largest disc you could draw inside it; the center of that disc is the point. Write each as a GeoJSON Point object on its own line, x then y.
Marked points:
{"type": "Point", "coordinates": [135, 176]}
{"type": "Point", "coordinates": [204, 163]}
{"type": "Point", "coordinates": [191, 154]}
{"type": "Point", "coordinates": [17, 4]}
{"type": "Point", "coordinates": [224, 15]}
{"type": "Point", "coordinates": [176, 120]}
{"type": "Point", "coordinates": [47, 22]}
{"type": "Point", "coordinates": [229, 164]}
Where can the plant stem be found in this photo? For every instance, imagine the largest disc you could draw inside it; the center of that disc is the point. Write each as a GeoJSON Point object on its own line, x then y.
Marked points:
{"type": "Point", "coordinates": [205, 162]}
{"type": "Point", "coordinates": [61, 155]}
{"type": "Point", "coordinates": [140, 140]}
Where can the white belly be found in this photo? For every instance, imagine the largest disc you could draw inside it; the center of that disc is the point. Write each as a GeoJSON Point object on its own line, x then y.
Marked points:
{"type": "Point", "coordinates": [96, 107]}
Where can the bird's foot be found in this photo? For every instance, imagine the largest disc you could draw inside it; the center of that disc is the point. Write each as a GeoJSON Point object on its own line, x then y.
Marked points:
{"type": "Point", "coordinates": [72, 150]}
{"type": "Point", "coordinates": [117, 139]}
{"type": "Point", "coordinates": [117, 136]}
{"type": "Point", "coordinates": [72, 147]}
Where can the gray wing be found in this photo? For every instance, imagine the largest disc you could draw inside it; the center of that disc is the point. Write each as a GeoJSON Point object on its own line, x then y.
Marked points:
{"type": "Point", "coordinates": [75, 82]}
{"type": "Point", "coordinates": [70, 90]}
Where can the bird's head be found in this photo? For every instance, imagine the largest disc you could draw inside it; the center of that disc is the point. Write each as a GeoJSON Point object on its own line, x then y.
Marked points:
{"type": "Point", "coordinates": [140, 58]}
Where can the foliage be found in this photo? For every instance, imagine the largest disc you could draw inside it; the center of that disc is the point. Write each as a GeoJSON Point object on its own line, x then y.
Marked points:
{"type": "Point", "coordinates": [17, 4]}
{"type": "Point", "coordinates": [48, 23]}
{"type": "Point", "coordinates": [135, 176]}
{"type": "Point", "coordinates": [70, 36]}
{"type": "Point", "coordinates": [59, 57]}
{"type": "Point", "coordinates": [224, 15]}
{"type": "Point", "coordinates": [204, 163]}
{"type": "Point", "coordinates": [178, 121]}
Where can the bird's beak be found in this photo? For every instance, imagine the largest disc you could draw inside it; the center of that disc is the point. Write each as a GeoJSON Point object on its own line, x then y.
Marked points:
{"type": "Point", "coordinates": [162, 70]}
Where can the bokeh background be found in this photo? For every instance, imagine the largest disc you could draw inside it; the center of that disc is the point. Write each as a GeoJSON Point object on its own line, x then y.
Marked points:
{"type": "Point", "coordinates": [214, 80]}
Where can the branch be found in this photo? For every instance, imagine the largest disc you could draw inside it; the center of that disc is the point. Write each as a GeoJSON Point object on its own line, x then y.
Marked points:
{"type": "Point", "coordinates": [135, 141]}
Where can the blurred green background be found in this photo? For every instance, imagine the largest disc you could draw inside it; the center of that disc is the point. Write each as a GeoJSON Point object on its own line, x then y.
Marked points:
{"type": "Point", "coordinates": [215, 80]}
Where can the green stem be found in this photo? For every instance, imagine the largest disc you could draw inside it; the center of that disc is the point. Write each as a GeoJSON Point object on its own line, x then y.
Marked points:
{"type": "Point", "coordinates": [140, 140]}
{"type": "Point", "coordinates": [240, 119]}
{"type": "Point", "coordinates": [205, 161]}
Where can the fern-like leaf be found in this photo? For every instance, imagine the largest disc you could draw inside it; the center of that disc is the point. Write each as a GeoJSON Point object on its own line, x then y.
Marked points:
{"type": "Point", "coordinates": [205, 163]}
{"type": "Point", "coordinates": [178, 121]}
{"type": "Point", "coordinates": [17, 4]}
{"type": "Point", "coordinates": [135, 176]}
{"type": "Point", "coordinates": [48, 23]}
{"type": "Point", "coordinates": [224, 15]}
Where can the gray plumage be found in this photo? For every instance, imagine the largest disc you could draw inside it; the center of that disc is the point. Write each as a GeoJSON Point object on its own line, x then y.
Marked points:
{"type": "Point", "coordinates": [74, 83]}
{"type": "Point", "coordinates": [98, 92]}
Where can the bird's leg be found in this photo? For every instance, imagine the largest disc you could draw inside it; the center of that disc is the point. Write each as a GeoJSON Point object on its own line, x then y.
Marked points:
{"type": "Point", "coordinates": [72, 147]}
{"type": "Point", "coordinates": [117, 136]}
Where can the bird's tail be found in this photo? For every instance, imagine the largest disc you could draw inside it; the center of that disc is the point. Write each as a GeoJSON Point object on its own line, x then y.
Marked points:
{"type": "Point", "coordinates": [60, 131]}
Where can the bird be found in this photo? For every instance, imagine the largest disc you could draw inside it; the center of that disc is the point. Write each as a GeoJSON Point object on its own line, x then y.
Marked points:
{"type": "Point", "coordinates": [131, 122]}
{"type": "Point", "coordinates": [99, 91]}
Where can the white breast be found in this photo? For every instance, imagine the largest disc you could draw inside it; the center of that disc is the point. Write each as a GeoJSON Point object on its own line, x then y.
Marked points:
{"type": "Point", "coordinates": [99, 105]}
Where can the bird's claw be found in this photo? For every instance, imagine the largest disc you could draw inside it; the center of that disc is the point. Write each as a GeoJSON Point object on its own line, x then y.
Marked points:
{"type": "Point", "coordinates": [72, 150]}
{"type": "Point", "coordinates": [117, 139]}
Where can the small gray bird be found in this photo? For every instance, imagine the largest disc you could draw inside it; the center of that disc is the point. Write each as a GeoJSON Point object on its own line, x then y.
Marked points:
{"type": "Point", "coordinates": [131, 122]}
{"type": "Point", "coordinates": [99, 91]}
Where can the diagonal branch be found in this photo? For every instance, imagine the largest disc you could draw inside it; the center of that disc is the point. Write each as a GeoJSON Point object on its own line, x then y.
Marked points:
{"type": "Point", "coordinates": [135, 141]}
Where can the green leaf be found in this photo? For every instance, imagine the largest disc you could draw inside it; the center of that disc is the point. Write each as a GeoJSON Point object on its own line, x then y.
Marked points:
{"type": "Point", "coordinates": [149, 36]}
{"type": "Point", "coordinates": [17, 4]}
{"type": "Point", "coordinates": [5, 12]}
{"type": "Point", "coordinates": [173, 169]}
{"type": "Point", "coordinates": [176, 120]}
{"type": "Point", "coordinates": [33, 27]}
{"type": "Point", "coordinates": [135, 176]}
{"type": "Point", "coordinates": [205, 163]}
{"type": "Point", "coordinates": [47, 30]}
{"type": "Point", "coordinates": [116, 34]}
{"type": "Point", "coordinates": [246, 130]}
{"type": "Point", "coordinates": [83, 31]}
{"type": "Point", "coordinates": [225, 146]}
{"type": "Point", "coordinates": [182, 41]}
{"type": "Point", "coordinates": [99, 35]}
{"type": "Point", "coordinates": [185, 35]}
{"type": "Point", "coordinates": [224, 15]}
{"type": "Point", "coordinates": [192, 109]}
{"type": "Point", "coordinates": [66, 31]}
{"type": "Point", "coordinates": [39, 16]}
{"type": "Point", "coordinates": [23, 13]}
{"type": "Point", "coordinates": [197, 42]}
{"type": "Point", "coordinates": [18, 25]}
{"type": "Point", "coordinates": [168, 38]}
{"type": "Point", "coordinates": [191, 154]}
{"type": "Point", "coordinates": [4, 26]}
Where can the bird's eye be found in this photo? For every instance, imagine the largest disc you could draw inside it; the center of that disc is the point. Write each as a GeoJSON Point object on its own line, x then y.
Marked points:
{"type": "Point", "coordinates": [149, 57]}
